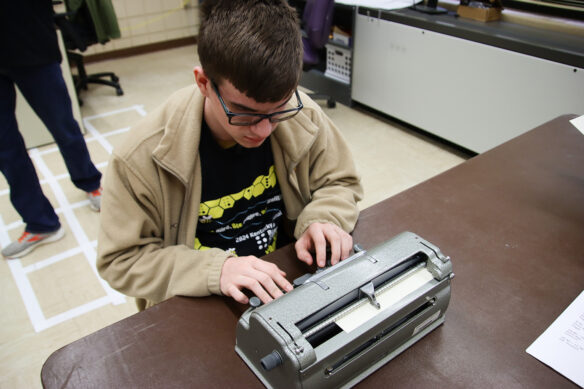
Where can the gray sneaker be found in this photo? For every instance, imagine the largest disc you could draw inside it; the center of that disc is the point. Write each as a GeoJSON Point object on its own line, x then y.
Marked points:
{"type": "Point", "coordinates": [95, 199]}
{"type": "Point", "coordinates": [28, 241]}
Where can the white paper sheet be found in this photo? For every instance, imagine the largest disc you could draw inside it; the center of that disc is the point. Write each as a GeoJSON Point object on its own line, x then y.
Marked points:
{"type": "Point", "coordinates": [561, 346]}
{"type": "Point", "coordinates": [380, 4]}
{"type": "Point", "coordinates": [385, 299]}
{"type": "Point", "coordinates": [579, 123]}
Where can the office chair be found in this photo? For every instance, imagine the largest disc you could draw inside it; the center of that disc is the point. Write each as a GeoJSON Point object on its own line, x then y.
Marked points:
{"type": "Point", "coordinates": [85, 23]}
{"type": "Point", "coordinates": [317, 20]}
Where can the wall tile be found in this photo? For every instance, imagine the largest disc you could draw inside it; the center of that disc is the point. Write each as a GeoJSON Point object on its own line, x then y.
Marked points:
{"type": "Point", "coordinates": [120, 8]}
{"type": "Point", "coordinates": [134, 7]}
{"type": "Point", "coordinates": [148, 21]}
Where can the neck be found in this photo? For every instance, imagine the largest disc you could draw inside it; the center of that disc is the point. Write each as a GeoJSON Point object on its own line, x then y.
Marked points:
{"type": "Point", "coordinates": [224, 144]}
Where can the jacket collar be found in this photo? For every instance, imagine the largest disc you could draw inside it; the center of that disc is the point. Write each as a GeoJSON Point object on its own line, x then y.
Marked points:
{"type": "Point", "coordinates": [179, 145]}
{"type": "Point", "coordinates": [297, 135]}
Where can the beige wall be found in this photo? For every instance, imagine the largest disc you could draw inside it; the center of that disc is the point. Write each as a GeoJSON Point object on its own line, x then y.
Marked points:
{"type": "Point", "coordinates": [144, 22]}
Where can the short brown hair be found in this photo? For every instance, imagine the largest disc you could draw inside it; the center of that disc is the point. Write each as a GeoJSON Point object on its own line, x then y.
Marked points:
{"type": "Point", "coordinates": [255, 44]}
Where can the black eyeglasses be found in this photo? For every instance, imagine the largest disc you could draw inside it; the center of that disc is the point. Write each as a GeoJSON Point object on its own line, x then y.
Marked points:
{"type": "Point", "coordinates": [248, 119]}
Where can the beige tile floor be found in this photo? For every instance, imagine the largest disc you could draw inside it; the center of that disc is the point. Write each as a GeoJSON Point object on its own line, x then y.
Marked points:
{"type": "Point", "coordinates": [53, 296]}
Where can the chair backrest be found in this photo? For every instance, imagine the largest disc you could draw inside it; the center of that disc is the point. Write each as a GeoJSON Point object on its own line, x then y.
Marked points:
{"type": "Point", "coordinates": [97, 15]}
{"type": "Point", "coordinates": [317, 20]}
{"type": "Point", "coordinates": [77, 28]}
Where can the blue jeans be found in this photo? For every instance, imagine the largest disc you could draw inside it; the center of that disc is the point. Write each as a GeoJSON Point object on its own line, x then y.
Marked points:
{"type": "Point", "coordinates": [45, 90]}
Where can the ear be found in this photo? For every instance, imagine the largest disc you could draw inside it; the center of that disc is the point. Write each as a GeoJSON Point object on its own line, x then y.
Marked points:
{"type": "Point", "coordinates": [203, 82]}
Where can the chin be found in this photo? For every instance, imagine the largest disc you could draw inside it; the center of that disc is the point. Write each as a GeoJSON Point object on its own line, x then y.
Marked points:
{"type": "Point", "coordinates": [251, 143]}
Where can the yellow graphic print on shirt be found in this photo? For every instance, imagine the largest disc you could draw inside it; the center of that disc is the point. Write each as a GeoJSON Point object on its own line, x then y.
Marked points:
{"type": "Point", "coordinates": [214, 208]}
{"type": "Point", "coordinates": [244, 220]}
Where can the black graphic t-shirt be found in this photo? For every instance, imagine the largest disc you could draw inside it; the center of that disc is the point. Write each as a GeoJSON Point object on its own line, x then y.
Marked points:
{"type": "Point", "coordinates": [241, 202]}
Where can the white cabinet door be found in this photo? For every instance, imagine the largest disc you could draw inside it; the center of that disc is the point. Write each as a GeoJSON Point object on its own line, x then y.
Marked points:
{"type": "Point", "coordinates": [472, 94]}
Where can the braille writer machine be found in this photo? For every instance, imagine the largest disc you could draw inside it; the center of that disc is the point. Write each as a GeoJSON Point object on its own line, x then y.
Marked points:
{"type": "Point", "coordinates": [341, 324]}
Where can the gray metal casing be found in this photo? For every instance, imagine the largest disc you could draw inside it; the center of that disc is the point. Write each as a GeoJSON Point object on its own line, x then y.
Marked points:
{"type": "Point", "coordinates": [273, 327]}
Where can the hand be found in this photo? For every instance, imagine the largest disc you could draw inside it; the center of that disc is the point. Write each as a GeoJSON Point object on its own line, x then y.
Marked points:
{"type": "Point", "coordinates": [315, 239]}
{"type": "Point", "coordinates": [263, 278]}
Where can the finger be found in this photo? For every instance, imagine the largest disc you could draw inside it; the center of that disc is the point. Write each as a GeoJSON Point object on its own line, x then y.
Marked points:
{"type": "Point", "coordinates": [334, 240]}
{"type": "Point", "coordinates": [276, 284]}
{"type": "Point", "coordinates": [268, 267]}
{"type": "Point", "coordinates": [258, 290]}
{"type": "Point", "coordinates": [275, 276]}
{"type": "Point", "coordinates": [302, 252]}
{"type": "Point", "coordinates": [346, 246]}
{"type": "Point", "coordinates": [270, 286]}
{"type": "Point", "coordinates": [284, 284]}
{"type": "Point", "coordinates": [320, 249]}
{"type": "Point", "coordinates": [237, 295]}
{"type": "Point", "coordinates": [263, 281]}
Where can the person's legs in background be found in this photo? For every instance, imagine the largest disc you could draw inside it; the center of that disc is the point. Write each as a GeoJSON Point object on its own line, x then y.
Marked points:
{"type": "Point", "coordinates": [45, 90]}
{"type": "Point", "coordinates": [38, 215]}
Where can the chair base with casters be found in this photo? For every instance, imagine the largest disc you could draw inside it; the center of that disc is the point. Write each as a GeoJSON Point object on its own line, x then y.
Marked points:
{"type": "Point", "coordinates": [82, 78]}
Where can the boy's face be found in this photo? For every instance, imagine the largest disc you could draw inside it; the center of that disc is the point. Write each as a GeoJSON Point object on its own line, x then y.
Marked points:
{"type": "Point", "coordinates": [227, 134]}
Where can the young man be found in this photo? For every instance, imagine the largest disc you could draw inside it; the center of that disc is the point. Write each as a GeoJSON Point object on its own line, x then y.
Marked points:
{"type": "Point", "coordinates": [209, 182]}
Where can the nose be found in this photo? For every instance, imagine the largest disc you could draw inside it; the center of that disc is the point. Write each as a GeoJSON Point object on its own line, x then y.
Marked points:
{"type": "Point", "coordinates": [263, 128]}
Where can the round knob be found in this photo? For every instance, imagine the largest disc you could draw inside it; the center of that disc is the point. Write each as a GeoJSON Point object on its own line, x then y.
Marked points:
{"type": "Point", "coordinates": [255, 302]}
{"type": "Point", "coordinates": [271, 360]}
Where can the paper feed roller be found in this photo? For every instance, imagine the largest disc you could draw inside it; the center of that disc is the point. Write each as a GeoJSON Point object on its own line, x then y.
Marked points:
{"type": "Point", "coordinates": [343, 323]}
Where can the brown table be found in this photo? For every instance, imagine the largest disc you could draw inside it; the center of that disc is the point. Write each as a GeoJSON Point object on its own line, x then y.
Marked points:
{"type": "Point", "coordinates": [511, 219]}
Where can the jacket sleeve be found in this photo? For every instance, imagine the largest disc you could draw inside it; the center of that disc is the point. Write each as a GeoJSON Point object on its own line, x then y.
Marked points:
{"type": "Point", "coordinates": [334, 184]}
{"type": "Point", "coordinates": [132, 254]}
